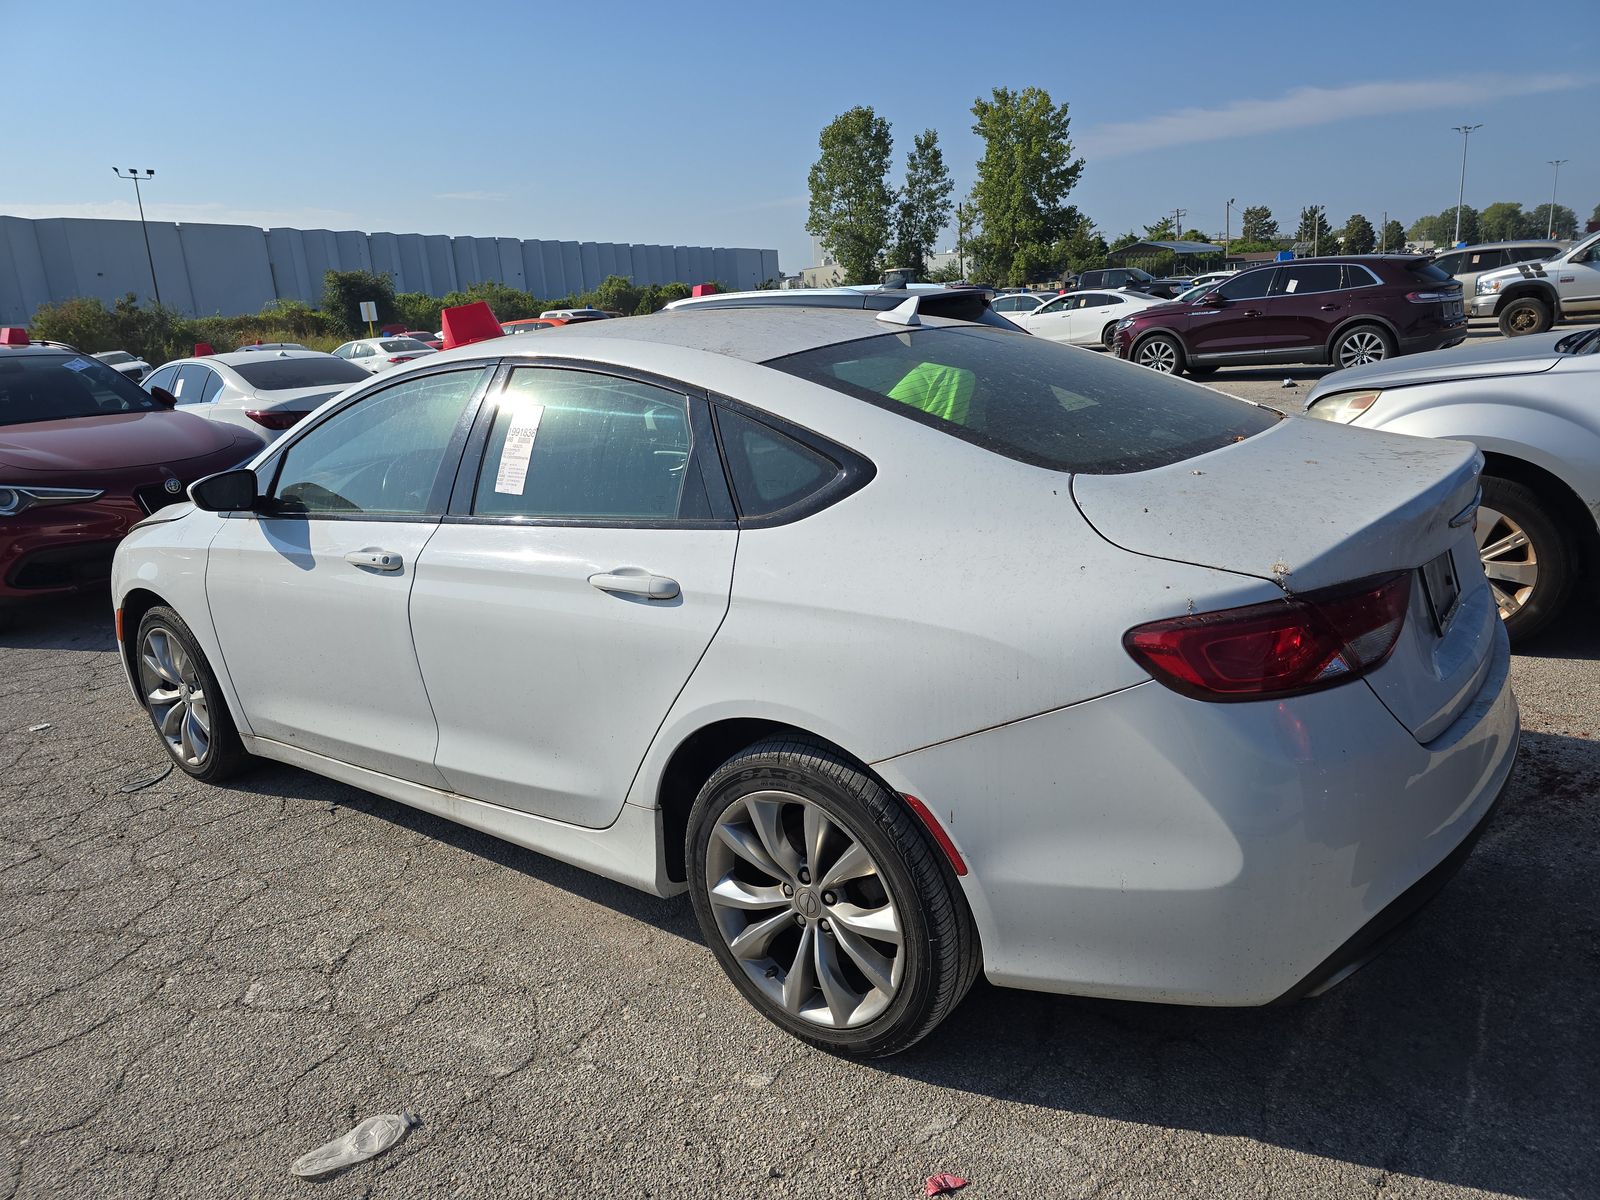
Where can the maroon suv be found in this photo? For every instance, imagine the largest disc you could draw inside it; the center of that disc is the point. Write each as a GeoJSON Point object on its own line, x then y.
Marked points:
{"type": "Point", "coordinates": [84, 454]}
{"type": "Point", "coordinates": [1343, 311]}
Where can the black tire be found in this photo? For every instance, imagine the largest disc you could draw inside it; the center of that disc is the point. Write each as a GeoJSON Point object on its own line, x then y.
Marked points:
{"type": "Point", "coordinates": [1361, 344]}
{"type": "Point", "coordinates": [224, 755]}
{"type": "Point", "coordinates": [1525, 315]}
{"type": "Point", "coordinates": [1160, 352]}
{"type": "Point", "coordinates": [939, 942]}
{"type": "Point", "coordinates": [1527, 609]}
{"type": "Point", "coordinates": [1108, 336]}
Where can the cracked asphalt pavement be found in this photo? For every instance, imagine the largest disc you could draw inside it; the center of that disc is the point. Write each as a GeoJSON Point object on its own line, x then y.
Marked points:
{"type": "Point", "coordinates": [197, 985]}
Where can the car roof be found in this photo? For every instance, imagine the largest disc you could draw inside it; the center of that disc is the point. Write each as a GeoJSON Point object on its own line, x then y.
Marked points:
{"type": "Point", "coordinates": [235, 357]}
{"type": "Point", "coordinates": [1511, 245]}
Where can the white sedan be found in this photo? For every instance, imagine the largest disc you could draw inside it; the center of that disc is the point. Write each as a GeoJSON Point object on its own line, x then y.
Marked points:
{"type": "Point", "coordinates": [124, 364]}
{"type": "Point", "coordinates": [264, 391]}
{"type": "Point", "coordinates": [1013, 305]}
{"type": "Point", "coordinates": [1084, 318]}
{"type": "Point", "coordinates": [376, 355]}
{"type": "Point", "coordinates": [908, 647]}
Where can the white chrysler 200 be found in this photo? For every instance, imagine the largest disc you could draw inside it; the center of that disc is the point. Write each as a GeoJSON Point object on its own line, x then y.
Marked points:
{"type": "Point", "coordinates": [908, 647]}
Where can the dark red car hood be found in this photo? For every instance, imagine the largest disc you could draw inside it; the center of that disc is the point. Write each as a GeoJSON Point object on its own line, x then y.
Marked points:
{"type": "Point", "coordinates": [116, 441]}
{"type": "Point", "coordinates": [1172, 309]}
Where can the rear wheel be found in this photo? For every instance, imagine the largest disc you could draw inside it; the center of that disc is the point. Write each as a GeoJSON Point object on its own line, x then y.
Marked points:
{"type": "Point", "coordinates": [180, 693]}
{"type": "Point", "coordinates": [1361, 345]}
{"type": "Point", "coordinates": [825, 901]}
{"type": "Point", "coordinates": [1530, 562]}
{"type": "Point", "coordinates": [1525, 315]}
{"type": "Point", "coordinates": [1108, 336]}
{"type": "Point", "coordinates": [1160, 352]}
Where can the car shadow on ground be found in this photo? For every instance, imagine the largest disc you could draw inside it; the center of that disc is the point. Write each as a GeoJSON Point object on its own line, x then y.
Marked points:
{"type": "Point", "coordinates": [1574, 633]}
{"type": "Point", "coordinates": [80, 622]}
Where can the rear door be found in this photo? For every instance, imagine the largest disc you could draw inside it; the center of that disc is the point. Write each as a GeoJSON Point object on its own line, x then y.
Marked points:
{"type": "Point", "coordinates": [1306, 303]}
{"type": "Point", "coordinates": [1093, 313]}
{"type": "Point", "coordinates": [584, 568]}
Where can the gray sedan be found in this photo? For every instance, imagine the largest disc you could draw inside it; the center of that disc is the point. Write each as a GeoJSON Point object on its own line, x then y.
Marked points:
{"type": "Point", "coordinates": [1530, 406]}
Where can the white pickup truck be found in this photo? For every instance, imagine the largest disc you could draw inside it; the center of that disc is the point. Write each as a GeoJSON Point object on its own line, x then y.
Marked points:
{"type": "Point", "coordinates": [1532, 296]}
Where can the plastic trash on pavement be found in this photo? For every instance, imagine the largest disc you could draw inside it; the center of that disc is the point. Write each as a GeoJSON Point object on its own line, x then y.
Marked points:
{"type": "Point", "coordinates": [367, 1140]}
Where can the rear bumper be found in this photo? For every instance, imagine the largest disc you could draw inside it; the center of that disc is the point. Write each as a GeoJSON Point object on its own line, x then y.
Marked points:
{"type": "Point", "coordinates": [1451, 334]}
{"type": "Point", "coordinates": [1144, 846]}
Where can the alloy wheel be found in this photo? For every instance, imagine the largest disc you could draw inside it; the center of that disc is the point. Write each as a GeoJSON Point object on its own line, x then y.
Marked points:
{"type": "Point", "coordinates": [1160, 356]}
{"type": "Point", "coordinates": [1509, 560]}
{"type": "Point", "coordinates": [804, 910]}
{"type": "Point", "coordinates": [1362, 346]}
{"type": "Point", "coordinates": [1524, 319]}
{"type": "Point", "coordinates": [175, 693]}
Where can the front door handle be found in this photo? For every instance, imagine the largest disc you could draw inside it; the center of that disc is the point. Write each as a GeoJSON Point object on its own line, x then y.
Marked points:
{"type": "Point", "coordinates": [1251, 312]}
{"type": "Point", "coordinates": [632, 581]}
{"type": "Point", "coordinates": [1330, 308]}
{"type": "Point", "coordinates": [375, 560]}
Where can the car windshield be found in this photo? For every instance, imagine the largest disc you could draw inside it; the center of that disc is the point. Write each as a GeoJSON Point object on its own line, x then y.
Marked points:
{"type": "Point", "coordinates": [55, 387]}
{"type": "Point", "coordinates": [113, 357]}
{"type": "Point", "coordinates": [1033, 400]}
{"type": "Point", "coordinates": [401, 344]}
{"type": "Point", "coordinates": [281, 374]}
{"type": "Point", "coordinates": [1141, 276]}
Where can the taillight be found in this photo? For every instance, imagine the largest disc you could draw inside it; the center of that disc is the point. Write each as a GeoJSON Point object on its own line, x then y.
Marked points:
{"type": "Point", "coordinates": [1432, 297]}
{"type": "Point", "coordinates": [273, 418]}
{"type": "Point", "coordinates": [1281, 648]}
{"type": "Point", "coordinates": [400, 358]}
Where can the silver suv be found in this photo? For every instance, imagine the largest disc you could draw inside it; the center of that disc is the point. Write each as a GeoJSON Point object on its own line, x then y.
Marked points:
{"type": "Point", "coordinates": [1532, 296]}
{"type": "Point", "coordinates": [1467, 263]}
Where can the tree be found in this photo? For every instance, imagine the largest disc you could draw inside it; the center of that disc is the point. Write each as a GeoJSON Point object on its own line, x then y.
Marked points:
{"type": "Point", "coordinates": [1161, 231]}
{"type": "Point", "coordinates": [1538, 221]}
{"type": "Point", "coordinates": [1024, 177]}
{"type": "Point", "coordinates": [1083, 250]}
{"type": "Point", "coordinates": [1315, 231]}
{"type": "Point", "coordinates": [343, 292]}
{"type": "Point", "coordinates": [1393, 238]}
{"type": "Point", "coordinates": [850, 197]}
{"type": "Point", "coordinates": [1594, 217]}
{"type": "Point", "coordinates": [1358, 236]}
{"type": "Point", "coordinates": [1503, 222]}
{"type": "Point", "coordinates": [1258, 225]}
{"type": "Point", "coordinates": [924, 206]}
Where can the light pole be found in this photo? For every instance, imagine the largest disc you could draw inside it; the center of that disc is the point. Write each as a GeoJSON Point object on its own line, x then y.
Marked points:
{"type": "Point", "coordinates": [1465, 131]}
{"type": "Point", "coordinates": [1227, 223]}
{"type": "Point", "coordinates": [1550, 226]}
{"type": "Point", "coordinates": [134, 175]}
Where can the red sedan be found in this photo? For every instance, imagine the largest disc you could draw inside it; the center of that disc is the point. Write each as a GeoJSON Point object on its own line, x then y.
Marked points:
{"type": "Point", "coordinates": [84, 454]}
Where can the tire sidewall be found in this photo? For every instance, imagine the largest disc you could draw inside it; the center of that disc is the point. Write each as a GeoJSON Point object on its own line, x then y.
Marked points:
{"type": "Point", "coordinates": [1552, 551]}
{"type": "Point", "coordinates": [223, 738]}
{"type": "Point", "coordinates": [1346, 334]}
{"type": "Point", "coordinates": [1539, 307]}
{"type": "Point", "coordinates": [1180, 360]}
{"type": "Point", "coordinates": [770, 773]}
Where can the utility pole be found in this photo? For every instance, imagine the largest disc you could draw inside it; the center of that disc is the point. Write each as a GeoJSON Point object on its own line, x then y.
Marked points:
{"type": "Point", "coordinates": [1550, 225]}
{"type": "Point", "coordinates": [1317, 216]}
{"type": "Point", "coordinates": [145, 229]}
{"type": "Point", "coordinates": [1465, 131]}
{"type": "Point", "coordinates": [1179, 214]}
{"type": "Point", "coordinates": [963, 225]}
{"type": "Point", "coordinates": [1383, 234]}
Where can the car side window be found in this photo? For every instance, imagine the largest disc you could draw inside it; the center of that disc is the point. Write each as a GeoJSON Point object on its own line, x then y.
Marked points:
{"type": "Point", "coordinates": [769, 470]}
{"type": "Point", "coordinates": [1483, 260]}
{"type": "Point", "coordinates": [161, 379]}
{"type": "Point", "coordinates": [579, 445]}
{"type": "Point", "coordinates": [1449, 264]}
{"type": "Point", "coordinates": [211, 385]}
{"type": "Point", "coordinates": [1251, 285]}
{"type": "Point", "coordinates": [190, 383]}
{"type": "Point", "coordinates": [1053, 307]}
{"type": "Point", "coordinates": [1308, 278]}
{"type": "Point", "coordinates": [1530, 253]}
{"type": "Point", "coordinates": [380, 455]}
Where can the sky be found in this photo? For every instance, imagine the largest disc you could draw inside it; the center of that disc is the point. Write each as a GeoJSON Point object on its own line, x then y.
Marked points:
{"type": "Point", "coordinates": [695, 123]}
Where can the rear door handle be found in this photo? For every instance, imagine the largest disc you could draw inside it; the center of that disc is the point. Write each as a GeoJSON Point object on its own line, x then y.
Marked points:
{"type": "Point", "coordinates": [1330, 308]}
{"type": "Point", "coordinates": [1251, 312]}
{"type": "Point", "coordinates": [632, 581]}
{"type": "Point", "coordinates": [375, 560]}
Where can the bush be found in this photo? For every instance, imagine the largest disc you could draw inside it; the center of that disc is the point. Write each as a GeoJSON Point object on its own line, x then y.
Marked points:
{"type": "Point", "coordinates": [343, 292]}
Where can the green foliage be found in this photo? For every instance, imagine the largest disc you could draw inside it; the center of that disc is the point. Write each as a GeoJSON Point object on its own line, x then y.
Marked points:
{"type": "Point", "coordinates": [1084, 250]}
{"type": "Point", "coordinates": [1240, 246]}
{"type": "Point", "coordinates": [1358, 236]}
{"type": "Point", "coordinates": [343, 292]}
{"type": "Point", "coordinates": [1441, 227]}
{"type": "Point", "coordinates": [923, 207]}
{"type": "Point", "coordinates": [157, 334]}
{"type": "Point", "coordinates": [1161, 231]}
{"type": "Point", "coordinates": [950, 272]}
{"type": "Point", "coordinates": [616, 294]}
{"type": "Point", "coordinates": [506, 302]}
{"type": "Point", "coordinates": [1503, 221]}
{"type": "Point", "coordinates": [850, 197]}
{"type": "Point", "coordinates": [1392, 240]}
{"type": "Point", "coordinates": [1023, 179]}
{"type": "Point", "coordinates": [417, 310]}
{"type": "Point", "coordinates": [1126, 239]}
{"type": "Point", "coordinates": [1315, 231]}
{"type": "Point", "coordinates": [1259, 226]}
{"type": "Point", "coordinates": [1538, 222]}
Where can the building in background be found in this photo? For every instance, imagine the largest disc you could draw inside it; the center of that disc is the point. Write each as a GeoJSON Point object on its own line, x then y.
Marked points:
{"type": "Point", "coordinates": [228, 270]}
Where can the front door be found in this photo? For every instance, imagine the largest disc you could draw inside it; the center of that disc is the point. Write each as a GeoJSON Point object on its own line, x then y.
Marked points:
{"type": "Point", "coordinates": [1233, 327]}
{"type": "Point", "coordinates": [565, 601]}
{"type": "Point", "coordinates": [310, 597]}
{"type": "Point", "coordinates": [1051, 320]}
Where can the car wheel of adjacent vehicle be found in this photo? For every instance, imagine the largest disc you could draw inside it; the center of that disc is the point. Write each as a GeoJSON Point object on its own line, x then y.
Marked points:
{"type": "Point", "coordinates": [180, 692]}
{"type": "Point", "coordinates": [1529, 560]}
{"type": "Point", "coordinates": [1361, 345]}
{"type": "Point", "coordinates": [1160, 353]}
{"type": "Point", "coordinates": [1108, 336]}
{"type": "Point", "coordinates": [826, 901]}
{"type": "Point", "coordinates": [1525, 315]}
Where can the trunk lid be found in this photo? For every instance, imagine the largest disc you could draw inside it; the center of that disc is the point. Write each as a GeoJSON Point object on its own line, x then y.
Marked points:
{"type": "Point", "coordinates": [1311, 505]}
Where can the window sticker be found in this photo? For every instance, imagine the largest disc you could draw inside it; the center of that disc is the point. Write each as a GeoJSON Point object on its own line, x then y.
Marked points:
{"type": "Point", "coordinates": [1293, 283]}
{"type": "Point", "coordinates": [512, 476]}
{"type": "Point", "coordinates": [77, 364]}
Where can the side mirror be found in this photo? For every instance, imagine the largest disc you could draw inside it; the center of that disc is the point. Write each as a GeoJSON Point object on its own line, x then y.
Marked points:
{"type": "Point", "coordinates": [163, 397]}
{"type": "Point", "coordinates": [230, 491]}
{"type": "Point", "coordinates": [1211, 300]}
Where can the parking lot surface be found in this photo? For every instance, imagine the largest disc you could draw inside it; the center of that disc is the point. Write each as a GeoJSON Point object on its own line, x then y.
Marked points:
{"type": "Point", "coordinates": [198, 984]}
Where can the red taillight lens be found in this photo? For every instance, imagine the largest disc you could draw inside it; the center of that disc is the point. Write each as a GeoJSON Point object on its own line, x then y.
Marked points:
{"type": "Point", "coordinates": [1281, 648]}
{"type": "Point", "coordinates": [1432, 297]}
{"type": "Point", "coordinates": [274, 418]}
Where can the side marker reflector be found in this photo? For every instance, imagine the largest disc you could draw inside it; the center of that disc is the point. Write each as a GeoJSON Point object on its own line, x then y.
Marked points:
{"type": "Point", "coordinates": [957, 863]}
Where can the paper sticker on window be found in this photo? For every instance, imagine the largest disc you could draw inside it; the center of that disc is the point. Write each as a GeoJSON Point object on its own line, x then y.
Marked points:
{"type": "Point", "coordinates": [513, 473]}
{"type": "Point", "coordinates": [77, 364]}
{"type": "Point", "coordinates": [1293, 283]}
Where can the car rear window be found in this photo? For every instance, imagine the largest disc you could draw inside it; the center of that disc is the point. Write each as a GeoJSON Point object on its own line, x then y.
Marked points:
{"type": "Point", "coordinates": [1033, 400]}
{"type": "Point", "coordinates": [1429, 273]}
{"type": "Point", "coordinates": [281, 374]}
{"type": "Point", "coordinates": [53, 387]}
{"type": "Point", "coordinates": [397, 345]}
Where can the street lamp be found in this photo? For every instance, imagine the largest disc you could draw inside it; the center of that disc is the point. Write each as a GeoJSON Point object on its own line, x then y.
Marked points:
{"type": "Point", "coordinates": [1550, 225]}
{"type": "Point", "coordinates": [1465, 131]}
{"type": "Point", "coordinates": [1227, 227]}
{"type": "Point", "coordinates": [134, 175]}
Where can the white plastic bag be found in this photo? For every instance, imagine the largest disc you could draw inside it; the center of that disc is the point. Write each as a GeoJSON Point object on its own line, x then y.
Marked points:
{"type": "Point", "coordinates": [367, 1140]}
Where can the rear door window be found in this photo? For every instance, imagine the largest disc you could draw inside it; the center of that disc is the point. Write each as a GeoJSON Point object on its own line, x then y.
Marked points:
{"type": "Point", "coordinates": [210, 386]}
{"type": "Point", "coordinates": [1031, 399]}
{"type": "Point", "coordinates": [191, 382]}
{"type": "Point", "coordinates": [1482, 260]}
{"type": "Point", "coordinates": [1304, 279]}
{"type": "Point", "coordinates": [161, 379]}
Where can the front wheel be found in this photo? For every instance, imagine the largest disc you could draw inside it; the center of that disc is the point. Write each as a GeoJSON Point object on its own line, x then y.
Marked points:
{"type": "Point", "coordinates": [1529, 560]}
{"type": "Point", "coordinates": [1362, 345]}
{"type": "Point", "coordinates": [1525, 315]}
{"type": "Point", "coordinates": [181, 696]}
{"type": "Point", "coordinates": [1161, 353]}
{"type": "Point", "coordinates": [825, 901]}
{"type": "Point", "coordinates": [1108, 336]}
